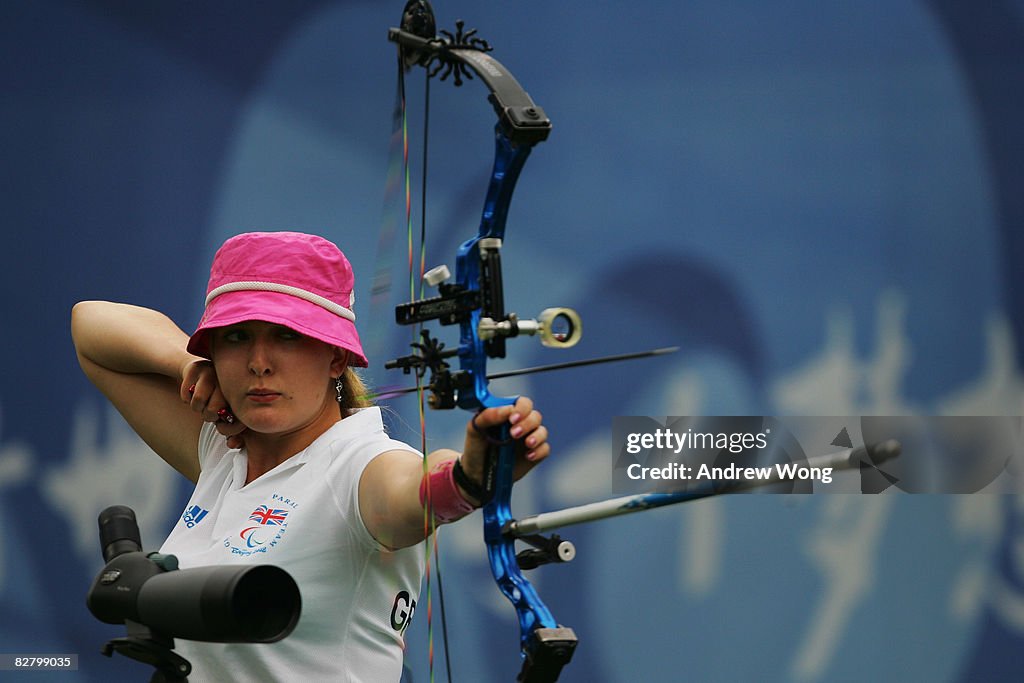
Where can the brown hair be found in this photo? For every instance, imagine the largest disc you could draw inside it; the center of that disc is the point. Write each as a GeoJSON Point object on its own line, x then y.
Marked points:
{"type": "Point", "coordinates": [354, 393]}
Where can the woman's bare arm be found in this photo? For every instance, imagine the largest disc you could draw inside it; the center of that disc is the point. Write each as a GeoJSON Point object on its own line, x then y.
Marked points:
{"type": "Point", "coordinates": [137, 358]}
{"type": "Point", "coordinates": [389, 500]}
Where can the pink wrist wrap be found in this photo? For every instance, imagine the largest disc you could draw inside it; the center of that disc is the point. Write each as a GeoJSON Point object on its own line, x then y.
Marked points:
{"type": "Point", "coordinates": [447, 504]}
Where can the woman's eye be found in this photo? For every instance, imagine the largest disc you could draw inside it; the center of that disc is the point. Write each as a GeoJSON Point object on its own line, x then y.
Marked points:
{"type": "Point", "coordinates": [234, 336]}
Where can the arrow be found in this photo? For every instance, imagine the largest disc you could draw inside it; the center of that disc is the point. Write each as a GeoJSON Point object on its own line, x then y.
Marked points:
{"type": "Point", "coordinates": [391, 393]}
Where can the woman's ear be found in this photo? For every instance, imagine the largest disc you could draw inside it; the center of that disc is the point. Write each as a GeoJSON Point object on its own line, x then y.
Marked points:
{"type": "Point", "coordinates": [339, 362]}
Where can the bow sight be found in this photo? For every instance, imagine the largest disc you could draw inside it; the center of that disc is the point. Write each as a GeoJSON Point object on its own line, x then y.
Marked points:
{"type": "Point", "coordinates": [557, 327]}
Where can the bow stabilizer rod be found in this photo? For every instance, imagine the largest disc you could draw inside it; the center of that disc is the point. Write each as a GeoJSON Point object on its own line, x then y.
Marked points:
{"type": "Point", "coordinates": [840, 460]}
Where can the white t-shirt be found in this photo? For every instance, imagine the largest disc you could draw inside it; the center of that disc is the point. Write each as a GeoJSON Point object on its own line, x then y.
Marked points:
{"type": "Point", "coordinates": [303, 516]}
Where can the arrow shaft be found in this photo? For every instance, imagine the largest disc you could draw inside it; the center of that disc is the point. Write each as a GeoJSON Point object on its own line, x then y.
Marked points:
{"type": "Point", "coordinates": [391, 393]}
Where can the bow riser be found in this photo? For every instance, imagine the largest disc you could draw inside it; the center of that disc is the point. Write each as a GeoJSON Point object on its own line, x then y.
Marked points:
{"type": "Point", "coordinates": [478, 268]}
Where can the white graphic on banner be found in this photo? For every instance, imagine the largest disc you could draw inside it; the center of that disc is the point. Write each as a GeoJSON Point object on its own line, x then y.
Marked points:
{"type": "Point", "coordinates": [15, 467]}
{"type": "Point", "coordinates": [844, 548]}
{"type": "Point", "coordinates": [118, 469]}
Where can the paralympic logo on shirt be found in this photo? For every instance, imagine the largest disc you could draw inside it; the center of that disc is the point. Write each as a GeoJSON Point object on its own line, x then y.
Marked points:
{"type": "Point", "coordinates": [270, 526]}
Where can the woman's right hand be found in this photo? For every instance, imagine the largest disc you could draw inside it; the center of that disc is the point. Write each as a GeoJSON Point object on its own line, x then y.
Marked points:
{"type": "Point", "coordinates": [199, 388]}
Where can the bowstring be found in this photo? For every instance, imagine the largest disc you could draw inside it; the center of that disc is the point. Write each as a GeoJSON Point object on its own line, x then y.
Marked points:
{"type": "Point", "coordinates": [430, 528]}
{"type": "Point", "coordinates": [423, 262]}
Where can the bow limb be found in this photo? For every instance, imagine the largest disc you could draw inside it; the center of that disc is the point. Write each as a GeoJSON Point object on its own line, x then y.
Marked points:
{"type": "Point", "coordinates": [545, 645]}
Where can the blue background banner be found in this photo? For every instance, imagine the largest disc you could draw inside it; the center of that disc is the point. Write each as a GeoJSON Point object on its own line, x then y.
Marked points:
{"type": "Point", "coordinates": [819, 202]}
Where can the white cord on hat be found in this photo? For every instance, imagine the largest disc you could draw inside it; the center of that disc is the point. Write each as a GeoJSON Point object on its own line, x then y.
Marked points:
{"type": "Point", "coordinates": [258, 286]}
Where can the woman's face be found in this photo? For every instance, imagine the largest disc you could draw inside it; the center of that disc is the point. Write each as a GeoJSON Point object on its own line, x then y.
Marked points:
{"type": "Point", "coordinates": [275, 379]}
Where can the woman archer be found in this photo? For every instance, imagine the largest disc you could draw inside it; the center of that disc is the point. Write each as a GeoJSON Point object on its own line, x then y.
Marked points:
{"type": "Point", "coordinates": [262, 409]}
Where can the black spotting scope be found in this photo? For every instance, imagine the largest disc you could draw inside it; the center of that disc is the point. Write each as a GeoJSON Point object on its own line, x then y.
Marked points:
{"type": "Point", "coordinates": [159, 602]}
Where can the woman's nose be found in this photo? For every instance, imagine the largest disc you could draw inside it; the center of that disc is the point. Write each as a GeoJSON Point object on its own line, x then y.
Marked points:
{"type": "Point", "coordinates": [259, 359]}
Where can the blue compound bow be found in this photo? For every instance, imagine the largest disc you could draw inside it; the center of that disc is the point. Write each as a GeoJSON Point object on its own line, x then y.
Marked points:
{"type": "Point", "coordinates": [475, 302]}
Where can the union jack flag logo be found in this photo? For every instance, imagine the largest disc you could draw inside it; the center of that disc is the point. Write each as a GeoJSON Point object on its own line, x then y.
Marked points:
{"type": "Point", "coordinates": [268, 516]}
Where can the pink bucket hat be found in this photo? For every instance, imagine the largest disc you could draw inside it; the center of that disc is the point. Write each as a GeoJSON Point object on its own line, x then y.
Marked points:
{"type": "Point", "coordinates": [300, 281]}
